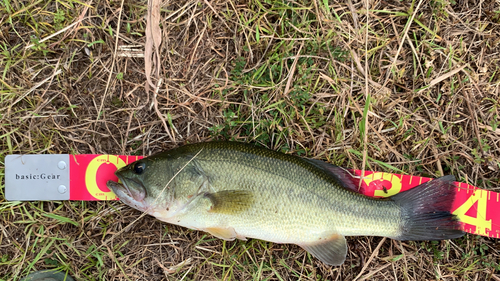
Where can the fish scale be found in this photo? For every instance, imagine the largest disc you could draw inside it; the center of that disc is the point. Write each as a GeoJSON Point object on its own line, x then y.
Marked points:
{"type": "Point", "coordinates": [294, 183]}
{"type": "Point", "coordinates": [234, 190]}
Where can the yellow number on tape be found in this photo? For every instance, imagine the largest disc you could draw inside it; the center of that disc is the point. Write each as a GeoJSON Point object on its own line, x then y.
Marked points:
{"type": "Point", "coordinates": [480, 222]}
{"type": "Point", "coordinates": [91, 174]}
{"type": "Point", "coordinates": [395, 181]}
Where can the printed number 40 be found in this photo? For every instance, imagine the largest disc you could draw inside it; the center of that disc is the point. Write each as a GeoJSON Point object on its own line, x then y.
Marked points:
{"type": "Point", "coordinates": [480, 222]}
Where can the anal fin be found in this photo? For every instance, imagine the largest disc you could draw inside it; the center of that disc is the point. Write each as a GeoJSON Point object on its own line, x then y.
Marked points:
{"type": "Point", "coordinates": [331, 250]}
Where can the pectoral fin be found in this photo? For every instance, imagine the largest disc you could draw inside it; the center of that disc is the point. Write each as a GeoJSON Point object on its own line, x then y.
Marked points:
{"type": "Point", "coordinates": [331, 250]}
{"type": "Point", "coordinates": [230, 201]}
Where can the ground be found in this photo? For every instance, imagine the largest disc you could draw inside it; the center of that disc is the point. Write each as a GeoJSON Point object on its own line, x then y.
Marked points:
{"type": "Point", "coordinates": [396, 86]}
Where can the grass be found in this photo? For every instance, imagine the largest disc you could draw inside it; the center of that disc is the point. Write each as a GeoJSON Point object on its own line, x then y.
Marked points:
{"type": "Point", "coordinates": [380, 87]}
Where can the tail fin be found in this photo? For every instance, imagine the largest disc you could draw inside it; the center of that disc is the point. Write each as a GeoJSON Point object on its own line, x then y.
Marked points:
{"type": "Point", "coordinates": [426, 211]}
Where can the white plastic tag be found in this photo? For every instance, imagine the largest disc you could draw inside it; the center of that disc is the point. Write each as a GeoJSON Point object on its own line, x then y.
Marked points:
{"type": "Point", "coordinates": [37, 177]}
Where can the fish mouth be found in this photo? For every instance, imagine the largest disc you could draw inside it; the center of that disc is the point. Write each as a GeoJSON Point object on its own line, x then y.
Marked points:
{"type": "Point", "coordinates": [127, 194]}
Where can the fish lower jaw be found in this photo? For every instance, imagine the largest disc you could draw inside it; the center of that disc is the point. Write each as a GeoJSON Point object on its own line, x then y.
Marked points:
{"type": "Point", "coordinates": [133, 204]}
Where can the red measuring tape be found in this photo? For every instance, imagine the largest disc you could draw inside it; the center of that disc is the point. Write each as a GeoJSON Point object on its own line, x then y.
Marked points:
{"type": "Point", "coordinates": [477, 209]}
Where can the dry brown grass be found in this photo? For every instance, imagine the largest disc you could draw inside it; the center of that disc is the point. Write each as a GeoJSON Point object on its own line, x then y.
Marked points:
{"type": "Point", "coordinates": [293, 76]}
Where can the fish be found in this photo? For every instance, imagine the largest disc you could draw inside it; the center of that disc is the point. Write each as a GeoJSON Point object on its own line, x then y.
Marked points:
{"type": "Point", "coordinates": [234, 190]}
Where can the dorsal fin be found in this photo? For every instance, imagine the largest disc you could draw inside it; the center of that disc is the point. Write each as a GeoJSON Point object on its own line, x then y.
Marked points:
{"type": "Point", "coordinates": [341, 175]}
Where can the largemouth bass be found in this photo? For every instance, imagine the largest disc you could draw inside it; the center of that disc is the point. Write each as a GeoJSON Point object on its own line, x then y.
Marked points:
{"type": "Point", "coordinates": [235, 190]}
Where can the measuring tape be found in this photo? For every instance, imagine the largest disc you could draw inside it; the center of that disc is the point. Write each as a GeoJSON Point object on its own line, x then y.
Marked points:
{"type": "Point", "coordinates": [477, 209]}
{"type": "Point", "coordinates": [84, 177]}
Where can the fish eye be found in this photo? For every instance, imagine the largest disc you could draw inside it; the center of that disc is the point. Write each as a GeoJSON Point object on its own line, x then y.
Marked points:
{"type": "Point", "coordinates": [139, 168]}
